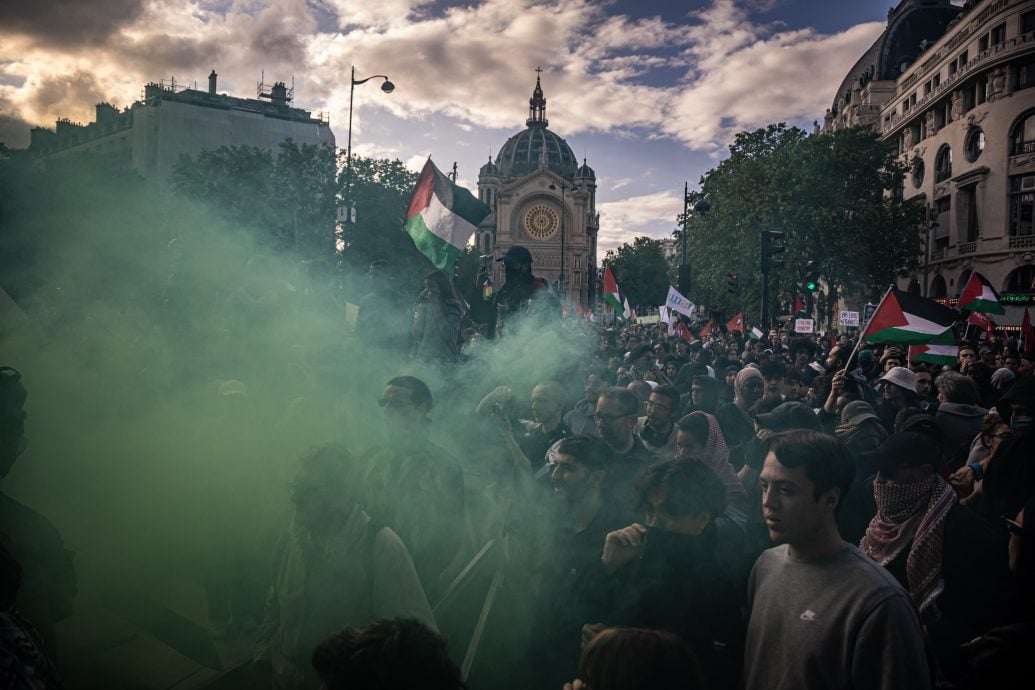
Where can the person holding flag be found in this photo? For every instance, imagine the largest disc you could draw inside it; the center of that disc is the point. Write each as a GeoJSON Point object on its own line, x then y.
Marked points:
{"type": "Point", "coordinates": [520, 288]}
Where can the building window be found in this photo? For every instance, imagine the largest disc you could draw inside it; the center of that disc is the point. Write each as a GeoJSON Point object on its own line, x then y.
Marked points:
{"type": "Point", "coordinates": [967, 213]}
{"type": "Point", "coordinates": [1027, 22]}
{"type": "Point", "coordinates": [1022, 204]}
{"type": "Point", "coordinates": [1026, 75]}
{"type": "Point", "coordinates": [578, 262]}
{"type": "Point", "coordinates": [997, 35]}
{"type": "Point", "coordinates": [943, 164]}
{"type": "Point", "coordinates": [975, 144]}
{"type": "Point", "coordinates": [938, 288]}
{"type": "Point", "coordinates": [578, 279]}
{"type": "Point", "coordinates": [918, 172]}
{"type": "Point", "coordinates": [1021, 279]}
{"type": "Point", "coordinates": [927, 87]}
{"type": "Point", "coordinates": [1022, 140]}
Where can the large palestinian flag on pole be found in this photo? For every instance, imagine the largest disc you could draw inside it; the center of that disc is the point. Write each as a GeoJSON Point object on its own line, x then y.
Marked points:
{"type": "Point", "coordinates": [442, 217]}
{"type": "Point", "coordinates": [615, 297]}
{"type": "Point", "coordinates": [934, 354]}
{"type": "Point", "coordinates": [979, 295]}
{"type": "Point", "coordinates": [910, 319]}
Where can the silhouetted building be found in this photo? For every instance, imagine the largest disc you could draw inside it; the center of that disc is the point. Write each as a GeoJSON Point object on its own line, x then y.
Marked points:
{"type": "Point", "coordinates": [171, 120]}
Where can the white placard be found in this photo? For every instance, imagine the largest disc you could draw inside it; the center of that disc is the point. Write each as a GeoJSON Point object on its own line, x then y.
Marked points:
{"type": "Point", "coordinates": [849, 318]}
{"type": "Point", "coordinates": [804, 325]}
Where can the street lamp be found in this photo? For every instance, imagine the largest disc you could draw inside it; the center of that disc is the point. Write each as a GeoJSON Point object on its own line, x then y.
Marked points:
{"type": "Point", "coordinates": [387, 87]}
{"type": "Point", "coordinates": [563, 187]}
{"type": "Point", "coordinates": [930, 224]}
{"type": "Point", "coordinates": [700, 208]}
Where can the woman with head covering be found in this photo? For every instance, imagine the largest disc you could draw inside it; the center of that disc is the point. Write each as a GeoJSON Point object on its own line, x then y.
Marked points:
{"type": "Point", "coordinates": [737, 418]}
{"type": "Point", "coordinates": [1002, 379]}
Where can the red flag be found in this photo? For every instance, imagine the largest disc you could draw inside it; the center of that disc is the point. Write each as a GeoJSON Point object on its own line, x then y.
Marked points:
{"type": "Point", "coordinates": [1028, 335]}
{"type": "Point", "coordinates": [707, 329]}
{"type": "Point", "coordinates": [683, 332]}
{"type": "Point", "coordinates": [982, 321]}
{"type": "Point", "coordinates": [799, 306]}
{"type": "Point", "coordinates": [736, 323]}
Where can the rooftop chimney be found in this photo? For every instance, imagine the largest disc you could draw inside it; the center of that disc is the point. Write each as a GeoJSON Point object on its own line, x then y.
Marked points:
{"type": "Point", "coordinates": [212, 83]}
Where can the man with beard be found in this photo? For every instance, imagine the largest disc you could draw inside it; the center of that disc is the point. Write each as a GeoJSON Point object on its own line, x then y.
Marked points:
{"type": "Point", "coordinates": [935, 548]}
{"type": "Point", "coordinates": [617, 410]}
{"type": "Point", "coordinates": [412, 485]}
{"type": "Point", "coordinates": [584, 519]}
{"type": "Point", "coordinates": [657, 431]}
{"type": "Point", "coordinates": [520, 289]}
{"type": "Point", "coordinates": [580, 418]}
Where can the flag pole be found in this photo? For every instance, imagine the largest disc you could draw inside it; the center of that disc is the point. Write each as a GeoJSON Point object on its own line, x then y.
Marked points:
{"type": "Point", "coordinates": [862, 335]}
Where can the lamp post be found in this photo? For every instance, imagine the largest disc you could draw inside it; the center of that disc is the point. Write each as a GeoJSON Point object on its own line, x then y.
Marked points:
{"type": "Point", "coordinates": [930, 223]}
{"type": "Point", "coordinates": [387, 87]}
{"type": "Point", "coordinates": [563, 187]}
{"type": "Point", "coordinates": [700, 208]}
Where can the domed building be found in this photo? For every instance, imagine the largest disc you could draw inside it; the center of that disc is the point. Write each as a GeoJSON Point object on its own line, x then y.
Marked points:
{"type": "Point", "coordinates": [543, 199]}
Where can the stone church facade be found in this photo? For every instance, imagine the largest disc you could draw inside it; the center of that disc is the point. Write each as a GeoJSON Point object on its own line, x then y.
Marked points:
{"type": "Point", "coordinates": [543, 200]}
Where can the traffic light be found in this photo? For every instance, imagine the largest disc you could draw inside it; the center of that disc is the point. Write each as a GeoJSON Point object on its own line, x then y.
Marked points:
{"type": "Point", "coordinates": [812, 276]}
{"type": "Point", "coordinates": [772, 244]}
{"type": "Point", "coordinates": [733, 283]}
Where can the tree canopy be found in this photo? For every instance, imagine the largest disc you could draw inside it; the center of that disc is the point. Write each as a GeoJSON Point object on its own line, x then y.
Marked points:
{"type": "Point", "coordinates": [641, 271]}
{"type": "Point", "coordinates": [830, 194]}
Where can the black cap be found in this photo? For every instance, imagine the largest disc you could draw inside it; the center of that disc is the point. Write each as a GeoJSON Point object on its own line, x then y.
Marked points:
{"type": "Point", "coordinates": [517, 254]}
{"type": "Point", "coordinates": [906, 449]}
{"type": "Point", "coordinates": [789, 415]}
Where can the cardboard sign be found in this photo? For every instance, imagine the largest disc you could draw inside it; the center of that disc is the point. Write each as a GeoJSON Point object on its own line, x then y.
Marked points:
{"type": "Point", "coordinates": [849, 318]}
{"type": "Point", "coordinates": [804, 326]}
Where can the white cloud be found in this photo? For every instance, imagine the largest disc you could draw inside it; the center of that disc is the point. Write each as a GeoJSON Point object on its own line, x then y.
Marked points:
{"type": "Point", "coordinates": [473, 64]}
{"type": "Point", "coordinates": [621, 221]}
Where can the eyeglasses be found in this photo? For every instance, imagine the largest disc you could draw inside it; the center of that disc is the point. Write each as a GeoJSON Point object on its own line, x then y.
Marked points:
{"type": "Point", "coordinates": [652, 405]}
{"type": "Point", "coordinates": [610, 418]}
{"type": "Point", "coordinates": [1012, 526]}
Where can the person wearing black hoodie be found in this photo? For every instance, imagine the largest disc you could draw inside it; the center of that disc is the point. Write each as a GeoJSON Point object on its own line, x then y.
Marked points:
{"type": "Point", "coordinates": [663, 574]}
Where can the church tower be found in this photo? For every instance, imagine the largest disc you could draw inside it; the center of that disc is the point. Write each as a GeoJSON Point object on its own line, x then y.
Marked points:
{"type": "Point", "coordinates": [542, 199]}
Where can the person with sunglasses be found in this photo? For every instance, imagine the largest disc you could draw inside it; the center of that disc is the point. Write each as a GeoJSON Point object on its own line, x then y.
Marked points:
{"type": "Point", "coordinates": [413, 485]}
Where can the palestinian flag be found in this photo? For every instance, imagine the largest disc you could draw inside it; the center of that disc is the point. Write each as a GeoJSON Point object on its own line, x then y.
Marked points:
{"type": "Point", "coordinates": [706, 330]}
{"type": "Point", "coordinates": [979, 295]}
{"type": "Point", "coordinates": [910, 319]}
{"type": "Point", "coordinates": [755, 333]}
{"type": "Point", "coordinates": [934, 354]}
{"type": "Point", "coordinates": [614, 296]}
{"type": "Point", "coordinates": [442, 217]}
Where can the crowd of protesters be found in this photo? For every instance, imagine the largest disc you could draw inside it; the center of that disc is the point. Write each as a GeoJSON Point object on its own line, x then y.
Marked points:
{"type": "Point", "coordinates": [720, 512]}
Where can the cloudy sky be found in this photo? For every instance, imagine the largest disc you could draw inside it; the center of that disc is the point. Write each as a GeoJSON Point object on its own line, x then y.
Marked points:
{"type": "Point", "coordinates": [649, 91]}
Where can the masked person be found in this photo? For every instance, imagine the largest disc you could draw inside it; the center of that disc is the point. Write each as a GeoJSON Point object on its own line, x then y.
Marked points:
{"type": "Point", "coordinates": [935, 548]}
{"type": "Point", "coordinates": [335, 566]}
{"type": "Point", "coordinates": [1009, 480]}
{"type": "Point", "coordinates": [520, 289]}
{"type": "Point", "coordinates": [435, 331]}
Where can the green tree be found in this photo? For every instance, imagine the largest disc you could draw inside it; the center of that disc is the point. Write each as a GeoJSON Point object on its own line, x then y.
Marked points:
{"type": "Point", "coordinates": [287, 200]}
{"type": "Point", "coordinates": [641, 271]}
{"type": "Point", "coordinates": [830, 194]}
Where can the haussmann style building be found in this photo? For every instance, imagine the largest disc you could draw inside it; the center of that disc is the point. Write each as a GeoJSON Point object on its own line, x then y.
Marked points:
{"type": "Point", "coordinates": [954, 87]}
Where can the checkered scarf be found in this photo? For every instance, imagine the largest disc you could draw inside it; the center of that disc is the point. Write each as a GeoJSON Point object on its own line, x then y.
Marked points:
{"type": "Point", "coordinates": [913, 515]}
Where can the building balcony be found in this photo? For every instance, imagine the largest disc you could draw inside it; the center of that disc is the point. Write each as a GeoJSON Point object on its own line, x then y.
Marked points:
{"type": "Point", "coordinates": [967, 247]}
{"type": "Point", "coordinates": [1022, 242]}
{"type": "Point", "coordinates": [937, 254]}
{"type": "Point", "coordinates": [1023, 147]}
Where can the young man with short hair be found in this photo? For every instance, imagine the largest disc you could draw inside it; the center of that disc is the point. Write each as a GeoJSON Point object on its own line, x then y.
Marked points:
{"type": "Point", "coordinates": [822, 615]}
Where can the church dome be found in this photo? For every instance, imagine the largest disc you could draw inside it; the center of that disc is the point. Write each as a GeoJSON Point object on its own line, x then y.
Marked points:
{"type": "Point", "coordinates": [585, 172]}
{"type": "Point", "coordinates": [520, 155]}
{"type": "Point", "coordinates": [489, 170]}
